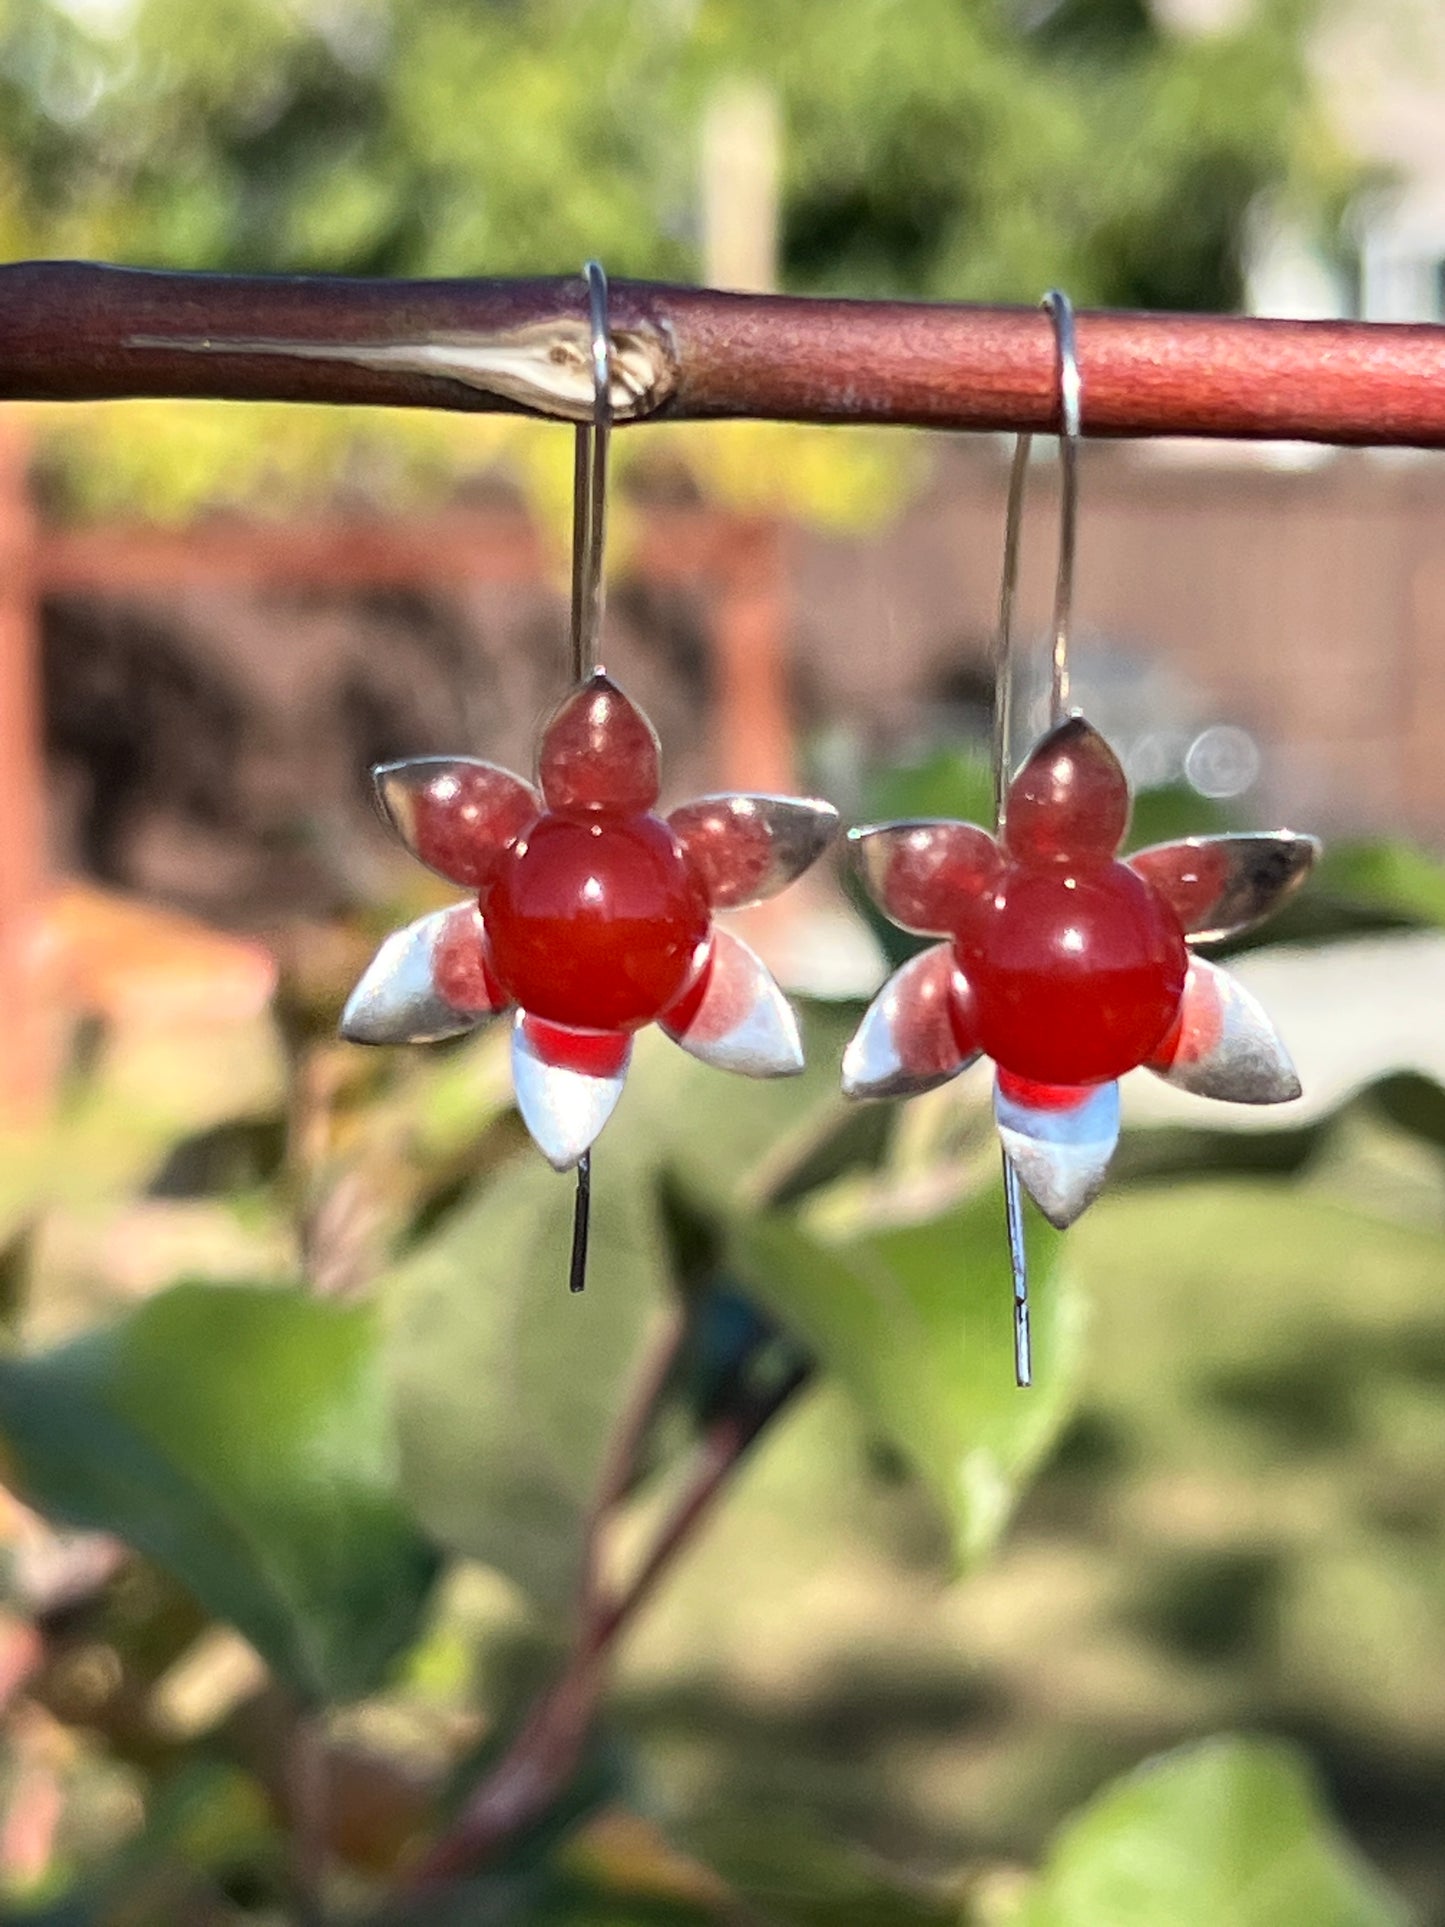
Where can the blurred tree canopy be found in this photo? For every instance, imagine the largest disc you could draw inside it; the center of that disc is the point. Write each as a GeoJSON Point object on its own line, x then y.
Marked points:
{"type": "Point", "coordinates": [959, 149]}
{"type": "Point", "coordinates": [943, 148]}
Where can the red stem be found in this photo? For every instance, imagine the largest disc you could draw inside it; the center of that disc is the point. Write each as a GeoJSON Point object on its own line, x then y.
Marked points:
{"type": "Point", "coordinates": [83, 331]}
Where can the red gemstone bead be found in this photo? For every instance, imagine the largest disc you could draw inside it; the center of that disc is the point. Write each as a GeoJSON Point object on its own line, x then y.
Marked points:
{"type": "Point", "coordinates": [594, 1053]}
{"type": "Point", "coordinates": [1076, 970]}
{"type": "Point", "coordinates": [596, 922]}
{"type": "Point", "coordinates": [599, 752]}
{"type": "Point", "coordinates": [459, 964]}
{"type": "Point", "coordinates": [460, 822]}
{"type": "Point", "coordinates": [731, 850]}
{"type": "Point", "coordinates": [1198, 1025]}
{"type": "Point", "coordinates": [1043, 1097]}
{"type": "Point", "coordinates": [1070, 799]}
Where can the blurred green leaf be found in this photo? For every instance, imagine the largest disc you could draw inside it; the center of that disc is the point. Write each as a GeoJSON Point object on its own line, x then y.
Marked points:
{"type": "Point", "coordinates": [1385, 875]}
{"type": "Point", "coordinates": [508, 1385]}
{"type": "Point", "coordinates": [1414, 1102]}
{"type": "Point", "coordinates": [917, 1322]}
{"type": "Point", "coordinates": [203, 1820]}
{"type": "Point", "coordinates": [1174, 810]}
{"type": "Point", "coordinates": [1230, 1833]}
{"type": "Point", "coordinates": [243, 1438]}
{"type": "Point", "coordinates": [951, 782]}
{"type": "Point", "coordinates": [719, 1133]}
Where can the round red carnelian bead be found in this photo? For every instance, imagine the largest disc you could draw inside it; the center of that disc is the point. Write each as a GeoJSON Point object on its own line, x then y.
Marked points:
{"type": "Point", "coordinates": [597, 923]}
{"type": "Point", "coordinates": [1076, 972]}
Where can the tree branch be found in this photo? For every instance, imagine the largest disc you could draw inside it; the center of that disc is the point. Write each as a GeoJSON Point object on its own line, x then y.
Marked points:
{"type": "Point", "coordinates": [621, 1462]}
{"type": "Point", "coordinates": [76, 331]}
{"type": "Point", "coordinates": [527, 1782]}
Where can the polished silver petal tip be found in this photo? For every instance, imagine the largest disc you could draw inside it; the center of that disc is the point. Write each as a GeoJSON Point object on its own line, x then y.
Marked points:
{"type": "Point", "coordinates": [563, 1107]}
{"type": "Point", "coordinates": [908, 1040]}
{"type": "Point", "coordinates": [748, 848]}
{"type": "Point", "coordinates": [744, 1022]}
{"type": "Point", "coordinates": [1060, 1150]}
{"type": "Point", "coordinates": [1221, 886]}
{"type": "Point", "coordinates": [398, 1000]}
{"type": "Point", "coordinates": [1224, 1044]}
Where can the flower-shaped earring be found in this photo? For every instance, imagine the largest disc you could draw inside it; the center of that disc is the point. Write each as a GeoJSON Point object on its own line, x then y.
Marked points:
{"type": "Point", "coordinates": [1063, 964]}
{"type": "Point", "coordinates": [588, 912]}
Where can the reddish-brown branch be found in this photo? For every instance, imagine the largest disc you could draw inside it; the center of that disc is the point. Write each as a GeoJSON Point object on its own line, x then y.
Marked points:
{"type": "Point", "coordinates": [526, 1783]}
{"type": "Point", "coordinates": [80, 331]}
{"type": "Point", "coordinates": [622, 1460]}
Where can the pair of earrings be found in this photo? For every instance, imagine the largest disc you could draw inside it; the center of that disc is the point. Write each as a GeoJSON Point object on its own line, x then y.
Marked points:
{"type": "Point", "coordinates": [592, 916]}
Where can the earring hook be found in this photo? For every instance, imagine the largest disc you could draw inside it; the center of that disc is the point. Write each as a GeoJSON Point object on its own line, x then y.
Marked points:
{"type": "Point", "coordinates": [589, 540]}
{"type": "Point", "coordinates": [589, 484]}
{"type": "Point", "coordinates": [1070, 392]}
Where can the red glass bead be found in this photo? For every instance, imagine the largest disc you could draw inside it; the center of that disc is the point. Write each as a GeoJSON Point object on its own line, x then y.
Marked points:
{"type": "Point", "coordinates": [594, 923]}
{"type": "Point", "coordinates": [963, 1014]}
{"type": "Point", "coordinates": [1191, 877]}
{"type": "Point", "coordinates": [1198, 1025]}
{"type": "Point", "coordinates": [592, 1053]}
{"type": "Point", "coordinates": [459, 964]}
{"type": "Point", "coordinates": [731, 850]}
{"type": "Point", "coordinates": [1076, 970]}
{"type": "Point", "coordinates": [460, 821]}
{"type": "Point", "coordinates": [1070, 799]}
{"type": "Point", "coordinates": [920, 871]}
{"type": "Point", "coordinates": [1042, 1097]}
{"type": "Point", "coordinates": [599, 752]}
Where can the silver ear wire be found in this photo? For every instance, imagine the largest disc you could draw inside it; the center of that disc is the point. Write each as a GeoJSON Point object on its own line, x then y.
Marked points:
{"type": "Point", "coordinates": [1071, 389]}
{"type": "Point", "coordinates": [589, 541]}
{"type": "Point", "coordinates": [589, 485]}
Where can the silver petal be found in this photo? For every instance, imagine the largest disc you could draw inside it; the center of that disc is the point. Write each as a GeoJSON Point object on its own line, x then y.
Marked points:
{"type": "Point", "coordinates": [921, 872]}
{"type": "Point", "coordinates": [1221, 885]}
{"type": "Point", "coordinates": [564, 1108]}
{"type": "Point", "coordinates": [1223, 1044]}
{"type": "Point", "coordinates": [1061, 1151]}
{"type": "Point", "coordinates": [455, 813]}
{"type": "Point", "coordinates": [744, 1022]}
{"type": "Point", "coordinates": [907, 1041]}
{"type": "Point", "coordinates": [750, 847]}
{"type": "Point", "coordinates": [397, 1000]}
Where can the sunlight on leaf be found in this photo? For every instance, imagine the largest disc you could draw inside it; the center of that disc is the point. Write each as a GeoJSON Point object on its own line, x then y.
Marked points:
{"type": "Point", "coordinates": [917, 1323]}
{"type": "Point", "coordinates": [1230, 1833]}
{"type": "Point", "coordinates": [508, 1385]}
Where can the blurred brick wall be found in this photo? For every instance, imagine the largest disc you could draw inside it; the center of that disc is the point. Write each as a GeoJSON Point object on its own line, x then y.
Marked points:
{"type": "Point", "coordinates": [1307, 606]}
